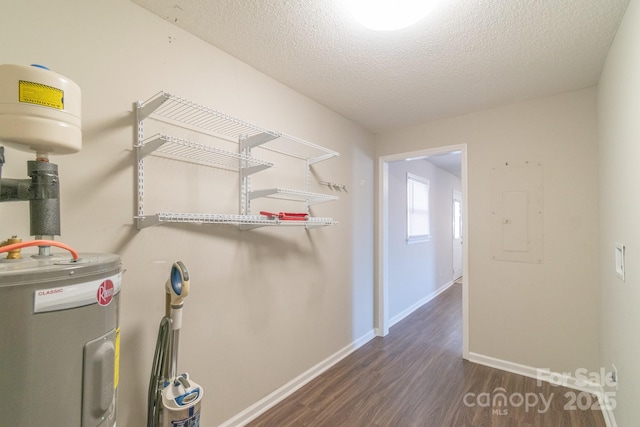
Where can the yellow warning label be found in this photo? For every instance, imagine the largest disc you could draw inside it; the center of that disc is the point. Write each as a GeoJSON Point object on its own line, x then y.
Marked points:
{"type": "Point", "coordinates": [37, 93]}
{"type": "Point", "coordinates": [116, 375]}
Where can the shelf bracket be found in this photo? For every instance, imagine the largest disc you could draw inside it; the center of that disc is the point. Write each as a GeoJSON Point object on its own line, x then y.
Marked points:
{"type": "Point", "coordinates": [255, 140]}
{"type": "Point", "coordinates": [145, 221]}
{"type": "Point", "coordinates": [321, 158]}
{"type": "Point", "coordinates": [251, 226]}
{"type": "Point", "coordinates": [253, 169]}
{"type": "Point", "coordinates": [151, 146]}
{"type": "Point", "coordinates": [150, 107]}
{"type": "Point", "coordinates": [321, 200]}
{"type": "Point", "coordinates": [261, 193]}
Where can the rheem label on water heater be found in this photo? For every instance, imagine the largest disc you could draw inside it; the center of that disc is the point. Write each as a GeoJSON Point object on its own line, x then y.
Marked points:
{"type": "Point", "coordinates": [105, 293]}
{"type": "Point", "coordinates": [99, 291]}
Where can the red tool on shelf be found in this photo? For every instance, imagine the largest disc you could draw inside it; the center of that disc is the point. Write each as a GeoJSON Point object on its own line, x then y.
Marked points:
{"type": "Point", "coordinates": [287, 216]}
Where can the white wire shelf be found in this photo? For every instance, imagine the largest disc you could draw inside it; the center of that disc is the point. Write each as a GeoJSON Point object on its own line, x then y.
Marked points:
{"type": "Point", "coordinates": [229, 144]}
{"type": "Point", "coordinates": [242, 221]}
{"type": "Point", "coordinates": [200, 153]}
{"type": "Point", "coordinates": [294, 195]}
{"type": "Point", "coordinates": [182, 111]}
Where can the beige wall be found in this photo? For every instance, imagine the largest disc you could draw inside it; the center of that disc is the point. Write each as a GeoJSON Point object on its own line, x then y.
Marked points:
{"type": "Point", "coordinates": [266, 304]}
{"type": "Point", "coordinates": [619, 151]}
{"type": "Point", "coordinates": [540, 315]}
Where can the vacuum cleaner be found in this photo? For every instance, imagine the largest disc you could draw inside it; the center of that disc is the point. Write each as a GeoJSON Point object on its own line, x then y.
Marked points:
{"type": "Point", "coordinates": [174, 399]}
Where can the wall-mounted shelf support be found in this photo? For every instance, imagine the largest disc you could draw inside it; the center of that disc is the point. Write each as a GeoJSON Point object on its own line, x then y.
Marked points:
{"type": "Point", "coordinates": [256, 140]}
{"type": "Point", "coordinates": [318, 159]}
{"type": "Point", "coordinates": [146, 108]}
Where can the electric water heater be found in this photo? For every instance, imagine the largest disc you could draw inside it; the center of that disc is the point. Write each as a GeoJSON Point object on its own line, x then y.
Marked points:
{"type": "Point", "coordinates": [60, 340]}
{"type": "Point", "coordinates": [59, 334]}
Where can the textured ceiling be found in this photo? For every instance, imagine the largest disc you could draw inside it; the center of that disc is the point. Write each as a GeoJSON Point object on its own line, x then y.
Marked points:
{"type": "Point", "coordinates": [464, 56]}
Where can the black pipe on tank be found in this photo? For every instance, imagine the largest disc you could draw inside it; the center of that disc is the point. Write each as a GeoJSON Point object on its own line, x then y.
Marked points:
{"type": "Point", "coordinates": [42, 191]}
{"type": "Point", "coordinates": [44, 201]}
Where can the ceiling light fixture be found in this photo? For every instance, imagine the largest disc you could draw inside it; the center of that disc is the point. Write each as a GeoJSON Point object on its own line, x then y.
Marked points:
{"type": "Point", "coordinates": [387, 15]}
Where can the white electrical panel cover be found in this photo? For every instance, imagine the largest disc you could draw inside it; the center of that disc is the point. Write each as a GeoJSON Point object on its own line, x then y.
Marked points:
{"type": "Point", "coordinates": [517, 212]}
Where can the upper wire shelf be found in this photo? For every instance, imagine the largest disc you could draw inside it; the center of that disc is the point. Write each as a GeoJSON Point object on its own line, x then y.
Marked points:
{"type": "Point", "coordinates": [180, 110]}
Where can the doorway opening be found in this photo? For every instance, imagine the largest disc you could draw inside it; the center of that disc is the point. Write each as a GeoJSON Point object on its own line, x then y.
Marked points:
{"type": "Point", "coordinates": [381, 309]}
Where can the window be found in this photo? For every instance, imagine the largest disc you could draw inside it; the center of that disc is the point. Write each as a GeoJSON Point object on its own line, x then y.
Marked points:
{"type": "Point", "coordinates": [418, 229]}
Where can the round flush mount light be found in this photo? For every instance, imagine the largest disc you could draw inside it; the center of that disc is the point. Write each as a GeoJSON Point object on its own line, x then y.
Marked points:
{"type": "Point", "coordinates": [388, 15]}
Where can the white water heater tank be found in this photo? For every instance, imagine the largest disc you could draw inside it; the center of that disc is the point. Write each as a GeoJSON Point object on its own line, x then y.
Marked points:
{"type": "Point", "coordinates": [39, 110]}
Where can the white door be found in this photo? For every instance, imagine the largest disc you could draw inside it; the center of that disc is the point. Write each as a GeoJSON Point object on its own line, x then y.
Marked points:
{"type": "Point", "coordinates": [457, 234]}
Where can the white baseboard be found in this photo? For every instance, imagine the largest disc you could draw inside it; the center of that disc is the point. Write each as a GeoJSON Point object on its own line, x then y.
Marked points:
{"type": "Point", "coordinates": [551, 377]}
{"type": "Point", "coordinates": [607, 411]}
{"type": "Point", "coordinates": [398, 317]}
{"type": "Point", "coordinates": [266, 403]}
{"type": "Point", "coordinates": [503, 365]}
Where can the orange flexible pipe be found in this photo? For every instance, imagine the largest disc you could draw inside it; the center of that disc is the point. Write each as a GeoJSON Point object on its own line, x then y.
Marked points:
{"type": "Point", "coordinates": [15, 246]}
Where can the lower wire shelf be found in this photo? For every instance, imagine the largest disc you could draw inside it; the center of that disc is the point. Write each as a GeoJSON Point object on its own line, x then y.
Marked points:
{"type": "Point", "coordinates": [244, 222]}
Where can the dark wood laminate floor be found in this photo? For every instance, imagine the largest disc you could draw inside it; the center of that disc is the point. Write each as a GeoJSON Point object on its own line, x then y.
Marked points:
{"type": "Point", "coordinates": [416, 377]}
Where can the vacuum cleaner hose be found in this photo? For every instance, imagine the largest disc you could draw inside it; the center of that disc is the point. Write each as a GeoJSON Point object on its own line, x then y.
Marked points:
{"type": "Point", "coordinates": [160, 359]}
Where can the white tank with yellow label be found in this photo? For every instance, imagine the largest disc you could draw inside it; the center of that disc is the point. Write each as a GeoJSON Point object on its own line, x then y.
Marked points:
{"type": "Point", "coordinates": [40, 110]}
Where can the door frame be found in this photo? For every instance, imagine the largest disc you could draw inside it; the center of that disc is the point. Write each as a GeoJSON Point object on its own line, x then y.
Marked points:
{"type": "Point", "coordinates": [381, 300]}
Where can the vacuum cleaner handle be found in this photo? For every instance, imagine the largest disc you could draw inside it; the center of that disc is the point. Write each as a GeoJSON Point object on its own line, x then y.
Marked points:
{"type": "Point", "coordinates": [177, 288]}
{"type": "Point", "coordinates": [178, 284]}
